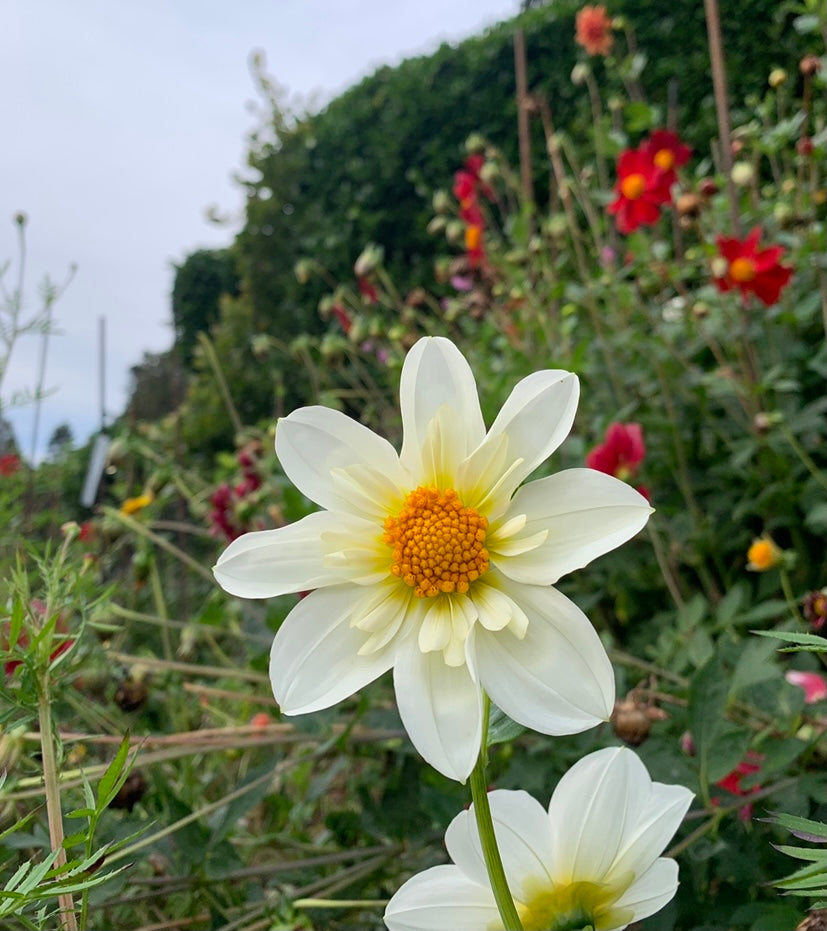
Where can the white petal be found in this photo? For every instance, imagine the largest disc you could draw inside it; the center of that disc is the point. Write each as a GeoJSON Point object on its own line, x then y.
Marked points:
{"type": "Point", "coordinates": [267, 563]}
{"type": "Point", "coordinates": [436, 375]}
{"type": "Point", "coordinates": [557, 679]}
{"type": "Point", "coordinates": [649, 893]}
{"type": "Point", "coordinates": [585, 514]}
{"type": "Point", "coordinates": [647, 833]}
{"type": "Point", "coordinates": [439, 899]}
{"type": "Point", "coordinates": [610, 821]}
{"type": "Point", "coordinates": [312, 442]}
{"type": "Point", "coordinates": [521, 827]}
{"type": "Point", "coordinates": [589, 811]}
{"type": "Point", "coordinates": [535, 419]}
{"type": "Point", "coordinates": [315, 661]}
{"type": "Point", "coordinates": [441, 708]}
{"type": "Point", "coordinates": [497, 611]}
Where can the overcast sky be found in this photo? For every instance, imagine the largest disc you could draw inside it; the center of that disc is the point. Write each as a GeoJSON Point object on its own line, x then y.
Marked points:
{"type": "Point", "coordinates": [123, 121]}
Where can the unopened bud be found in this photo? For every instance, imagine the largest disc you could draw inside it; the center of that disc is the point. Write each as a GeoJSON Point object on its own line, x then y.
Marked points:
{"type": "Point", "coordinates": [474, 143]}
{"type": "Point", "coordinates": [371, 257]}
{"type": "Point", "coordinates": [777, 77]}
{"type": "Point", "coordinates": [742, 173]}
{"type": "Point", "coordinates": [810, 65]}
{"type": "Point", "coordinates": [579, 73]}
{"type": "Point", "coordinates": [761, 422]}
{"type": "Point", "coordinates": [688, 205]}
{"type": "Point", "coordinates": [804, 146]}
{"type": "Point", "coordinates": [302, 270]}
{"type": "Point", "coordinates": [441, 202]}
{"type": "Point", "coordinates": [630, 722]}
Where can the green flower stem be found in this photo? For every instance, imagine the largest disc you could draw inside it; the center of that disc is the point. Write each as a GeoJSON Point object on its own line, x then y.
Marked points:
{"type": "Point", "coordinates": [485, 826]}
{"type": "Point", "coordinates": [789, 597]}
{"type": "Point", "coordinates": [68, 921]}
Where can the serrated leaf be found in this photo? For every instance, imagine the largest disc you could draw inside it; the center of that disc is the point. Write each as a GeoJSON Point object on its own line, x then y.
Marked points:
{"type": "Point", "coordinates": [803, 853]}
{"type": "Point", "coordinates": [804, 828]}
{"type": "Point", "coordinates": [812, 641]}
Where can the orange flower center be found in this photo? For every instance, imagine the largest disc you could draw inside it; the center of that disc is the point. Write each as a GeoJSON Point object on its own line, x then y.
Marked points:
{"type": "Point", "coordinates": [438, 543]}
{"type": "Point", "coordinates": [473, 235]}
{"type": "Point", "coordinates": [742, 269]}
{"type": "Point", "coordinates": [632, 186]}
{"type": "Point", "coordinates": [664, 159]}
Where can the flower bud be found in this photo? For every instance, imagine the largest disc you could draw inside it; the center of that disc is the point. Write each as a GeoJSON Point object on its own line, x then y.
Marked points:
{"type": "Point", "coordinates": [742, 173]}
{"type": "Point", "coordinates": [474, 143]}
{"type": "Point", "coordinates": [371, 257]}
{"type": "Point", "coordinates": [302, 270]}
{"type": "Point", "coordinates": [579, 73]}
{"type": "Point", "coordinates": [810, 65]}
{"type": "Point", "coordinates": [630, 722]}
{"type": "Point", "coordinates": [441, 202]}
{"type": "Point", "coordinates": [777, 77]}
{"type": "Point", "coordinates": [804, 146]}
{"type": "Point", "coordinates": [688, 205]}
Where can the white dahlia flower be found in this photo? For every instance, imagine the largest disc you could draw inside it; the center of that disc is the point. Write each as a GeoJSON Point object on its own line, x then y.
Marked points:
{"type": "Point", "coordinates": [592, 861]}
{"type": "Point", "coordinates": [436, 563]}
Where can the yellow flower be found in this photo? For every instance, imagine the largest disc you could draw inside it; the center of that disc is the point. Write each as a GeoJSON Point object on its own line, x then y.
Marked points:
{"type": "Point", "coordinates": [763, 555]}
{"type": "Point", "coordinates": [133, 505]}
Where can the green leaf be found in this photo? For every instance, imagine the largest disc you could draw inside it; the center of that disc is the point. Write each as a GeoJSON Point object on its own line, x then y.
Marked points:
{"type": "Point", "coordinates": [501, 728]}
{"type": "Point", "coordinates": [81, 813]}
{"type": "Point", "coordinates": [803, 853]}
{"type": "Point", "coordinates": [708, 693]}
{"type": "Point", "coordinates": [729, 605]}
{"type": "Point", "coordinates": [810, 643]}
{"type": "Point", "coordinates": [801, 827]}
{"type": "Point", "coordinates": [114, 777]}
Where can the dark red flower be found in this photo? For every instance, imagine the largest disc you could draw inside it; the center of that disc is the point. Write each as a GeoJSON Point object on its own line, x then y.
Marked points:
{"type": "Point", "coordinates": [621, 452]}
{"type": "Point", "coordinates": [86, 532]}
{"type": "Point", "coordinates": [641, 188]}
{"type": "Point", "coordinates": [465, 186]}
{"type": "Point", "coordinates": [9, 464]}
{"type": "Point", "coordinates": [367, 289]}
{"type": "Point", "coordinates": [815, 609]}
{"type": "Point", "coordinates": [751, 270]}
{"type": "Point", "coordinates": [343, 317]}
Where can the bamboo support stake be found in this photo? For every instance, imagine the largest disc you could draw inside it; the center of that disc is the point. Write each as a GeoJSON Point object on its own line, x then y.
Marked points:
{"type": "Point", "coordinates": [716, 56]}
{"type": "Point", "coordinates": [523, 116]}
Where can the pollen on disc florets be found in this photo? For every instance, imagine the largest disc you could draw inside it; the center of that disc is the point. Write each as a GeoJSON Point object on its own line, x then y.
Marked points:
{"type": "Point", "coordinates": [438, 543]}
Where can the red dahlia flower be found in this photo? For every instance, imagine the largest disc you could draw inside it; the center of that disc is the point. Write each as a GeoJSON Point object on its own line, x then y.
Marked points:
{"type": "Point", "coordinates": [621, 453]}
{"type": "Point", "coordinates": [744, 266]}
{"type": "Point", "coordinates": [731, 783]}
{"type": "Point", "coordinates": [593, 30]}
{"type": "Point", "coordinates": [667, 153]}
{"type": "Point", "coordinates": [641, 188]}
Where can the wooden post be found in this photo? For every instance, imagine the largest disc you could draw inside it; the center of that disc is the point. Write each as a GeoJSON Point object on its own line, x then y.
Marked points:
{"type": "Point", "coordinates": [716, 57]}
{"type": "Point", "coordinates": [523, 116]}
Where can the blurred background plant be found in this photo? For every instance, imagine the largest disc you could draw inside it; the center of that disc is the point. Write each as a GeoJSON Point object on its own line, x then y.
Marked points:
{"type": "Point", "coordinates": [677, 267]}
